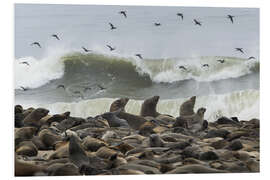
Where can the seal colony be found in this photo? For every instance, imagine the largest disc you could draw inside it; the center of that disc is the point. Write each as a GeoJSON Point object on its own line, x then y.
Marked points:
{"type": "Point", "coordinates": [118, 143]}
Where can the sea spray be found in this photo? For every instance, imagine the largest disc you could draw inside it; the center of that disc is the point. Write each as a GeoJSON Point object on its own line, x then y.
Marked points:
{"type": "Point", "coordinates": [243, 104]}
{"type": "Point", "coordinates": [54, 66]}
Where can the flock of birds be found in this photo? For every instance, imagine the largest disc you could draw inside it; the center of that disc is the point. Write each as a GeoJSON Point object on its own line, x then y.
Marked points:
{"type": "Point", "coordinates": [111, 48]}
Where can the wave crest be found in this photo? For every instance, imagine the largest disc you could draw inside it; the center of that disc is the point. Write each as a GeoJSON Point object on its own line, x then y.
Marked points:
{"type": "Point", "coordinates": [58, 65]}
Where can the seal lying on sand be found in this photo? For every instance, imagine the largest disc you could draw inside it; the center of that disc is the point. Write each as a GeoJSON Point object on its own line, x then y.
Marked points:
{"type": "Point", "coordinates": [149, 107]}
{"type": "Point", "coordinates": [119, 104]}
{"type": "Point", "coordinates": [186, 109]}
{"type": "Point", "coordinates": [113, 120]}
{"type": "Point", "coordinates": [33, 118]}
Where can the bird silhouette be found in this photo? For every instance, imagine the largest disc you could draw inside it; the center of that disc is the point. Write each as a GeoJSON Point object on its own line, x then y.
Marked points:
{"type": "Point", "coordinates": [23, 88]}
{"type": "Point", "coordinates": [240, 50]}
{"type": "Point", "coordinates": [251, 57]}
{"type": "Point", "coordinates": [111, 48]}
{"type": "Point", "coordinates": [86, 88]}
{"type": "Point", "coordinates": [85, 50]}
{"type": "Point", "coordinates": [24, 62]}
{"type": "Point", "coordinates": [79, 93]}
{"type": "Point", "coordinates": [101, 87]}
{"type": "Point", "coordinates": [205, 65]}
{"type": "Point", "coordinates": [54, 35]}
{"type": "Point", "coordinates": [112, 26]}
{"type": "Point", "coordinates": [157, 24]}
{"type": "Point", "coordinates": [139, 56]}
{"type": "Point", "coordinates": [36, 43]}
{"type": "Point", "coordinates": [124, 13]}
{"type": "Point", "coordinates": [221, 60]}
{"type": "Point", "coordinates": [61, 86]}
{"type": "Point", "coordinates": [230, 17]}
{"type": "Point", "coordinates": [197, 22]}
{"type": "Point", "coordinates": [182, 67]}
{"type": "Point", "coordinates": [180, 15]}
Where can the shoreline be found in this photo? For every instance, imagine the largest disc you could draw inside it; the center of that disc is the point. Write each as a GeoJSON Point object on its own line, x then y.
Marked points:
{"type": "Point", "coordinates": [60, 144]}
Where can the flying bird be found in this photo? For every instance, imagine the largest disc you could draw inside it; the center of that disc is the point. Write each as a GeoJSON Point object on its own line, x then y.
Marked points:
{"type": "Point", "coordinates": [86, 88]}
{"type": "Point", "coordinates": [101, 87]}
{"type": "Point", "coordinates": [112, 26]}
{"type": "Point", "coordinates": [240, 50]}
{"type": "Point", "coordinates": [251, 57]}
{"type": "Point", "coordinates": [124, 13]}
{"type": "Point", "coordinates": [111, 48]}
{"type": "Point", "coordinates": [197, 22]}
{"type": "Point", "coordinates": [78, 92]}
{"type": "Point", "coordinates": [23, 88]}
{"type": "Point", "coordinates": [139, 56]}
{"type": "Point", "coordinates": [54, 35]}
{"type": "Point", "coordinates": [181, 15]}
{"type": "Point", "coordinates": [230, 17]}
{"type": "Point", "coordinates": [205, 65]}
{"type": "Point", "coordinates": [157, 24]}
{"type": "Point", "coordinates": [182, 67]}
{"type": "Point", "coordinates": [24, 62]}
{"type": "Point", "coordinates": [36, 43]}
{"type": "Point", "coordinates": [85, 50]}
{"type": "Point", "coordinates": [221, 60]}
{"type": "Point", "coordinates": [61, 86]}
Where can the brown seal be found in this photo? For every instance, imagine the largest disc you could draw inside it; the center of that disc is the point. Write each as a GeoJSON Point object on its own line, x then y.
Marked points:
{"type": "Point", "coordinates": [186, 109]}
{"type": "Point", "coordinates": [34, 117]}
{"type": "Point", "coordinates": [149, 106]}
{"type": "Point", "coordinates": [48, 138]}
{"type": "Point", "coordinates": [194, 121]}
{"type": "Point", "coordinates": [147, 128]}
{"type": "Point", "coordinates": [27, 169]}
{"type": "Point", "coordinates": [27, 148]}
{"type": "Point", "coordinates": [133, 121]}
{"type": "Point", "coordinates": [119, 104]}
{"type": "Point", "coordinates": [92, 144]}
{"type": "Point", "coordinates": [24, 133]}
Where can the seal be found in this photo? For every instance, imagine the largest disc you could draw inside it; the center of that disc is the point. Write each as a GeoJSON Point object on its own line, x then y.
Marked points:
{"type": "Point", "coordinates": [156, 141]}
{"type": "Point", "coordinates": [133, 121]}
{"type": "Point", "coordinates": [92, 144]}
{"type": "Point", "coordinates": [196, 121]}
{"type": "Point", "coordinates": [27, 169]}
{"type": "Point", "coordinates": [147, 128]}
{"type": "Point", "coordinates": [195, 168]}
{"type": "Point", "coordinates": [186, 109]}
{"type": "Point", "coordinates": [76, 153]}
{"type": "Point", "coordinates": [113, 120]}
{"type": "Point", "coordinates": [24, 133]}
{"type": "Point", "coordinates": [119, 104]}
{"type": "Point", "coordinates": [60, 169]}
{"type": "Point", "coordinates": [48, 138]}
{"type": "Point", "coordinates": [27, 148]}
{"type": "Point", "coordinates": [34, 117]}
{"type": "Point", "coordinates": [149, 106]}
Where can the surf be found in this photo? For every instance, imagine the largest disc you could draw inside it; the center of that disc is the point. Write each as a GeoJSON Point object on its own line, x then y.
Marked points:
{"type": "Point", "coordinates": [242, 104]}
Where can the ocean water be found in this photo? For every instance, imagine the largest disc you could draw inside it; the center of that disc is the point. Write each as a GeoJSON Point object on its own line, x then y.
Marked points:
{"type": "Point", "coordinates": [230, 88]}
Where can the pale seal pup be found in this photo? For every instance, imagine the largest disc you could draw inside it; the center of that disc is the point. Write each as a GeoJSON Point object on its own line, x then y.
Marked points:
{"type": "Point", "coordinates": [195, 122]}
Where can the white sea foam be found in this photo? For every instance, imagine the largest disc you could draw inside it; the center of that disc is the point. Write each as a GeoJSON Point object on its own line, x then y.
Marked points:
{"type": "Point", "coordinates": [243, 104]}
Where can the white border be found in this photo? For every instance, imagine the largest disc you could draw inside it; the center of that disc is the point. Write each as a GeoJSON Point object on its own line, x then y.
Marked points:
{"type": "Point", "coordinates": [7, 93]}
